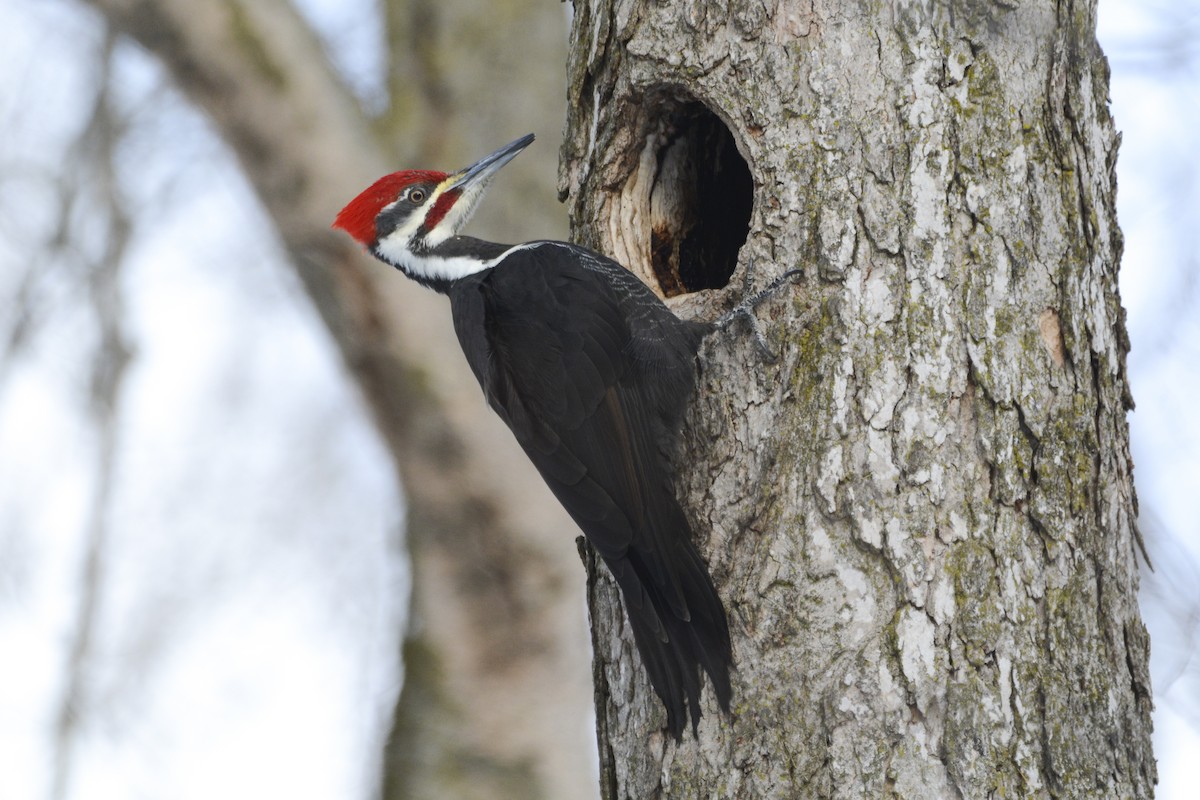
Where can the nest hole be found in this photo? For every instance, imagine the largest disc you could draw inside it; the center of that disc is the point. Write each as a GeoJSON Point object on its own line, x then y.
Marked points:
{"type": "Point", "coordinates": [701, 202]}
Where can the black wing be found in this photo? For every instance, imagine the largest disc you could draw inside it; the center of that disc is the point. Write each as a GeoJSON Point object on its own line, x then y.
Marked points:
{"type": "Point", "coordinates": [591, 381]}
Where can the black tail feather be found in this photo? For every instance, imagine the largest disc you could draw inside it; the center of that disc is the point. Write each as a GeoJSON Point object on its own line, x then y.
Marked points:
{"type": "Point", "coordinates": [674, 647]}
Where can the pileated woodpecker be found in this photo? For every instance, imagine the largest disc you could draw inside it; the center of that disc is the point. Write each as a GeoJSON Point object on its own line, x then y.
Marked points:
{"type": "Point", "coordinates": [592, 373]}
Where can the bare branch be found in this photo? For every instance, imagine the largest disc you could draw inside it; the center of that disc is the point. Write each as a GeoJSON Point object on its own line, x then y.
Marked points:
{"type": "Point", "coordinates": [93, 173]}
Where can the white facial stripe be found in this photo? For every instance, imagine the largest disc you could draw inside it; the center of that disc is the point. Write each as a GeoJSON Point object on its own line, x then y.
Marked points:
{"type": "Point", "coordinates": [403, 233]}
{"type": "Point", "coordinates": [458, 214]}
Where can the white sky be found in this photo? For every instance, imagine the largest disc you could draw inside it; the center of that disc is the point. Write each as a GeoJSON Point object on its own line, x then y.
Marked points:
{"type": "Point", "coordinates": [247, 645]}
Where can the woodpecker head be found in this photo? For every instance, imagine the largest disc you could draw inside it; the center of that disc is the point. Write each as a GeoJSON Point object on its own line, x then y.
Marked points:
{"type": "Point", "coordinates": [406, 218]}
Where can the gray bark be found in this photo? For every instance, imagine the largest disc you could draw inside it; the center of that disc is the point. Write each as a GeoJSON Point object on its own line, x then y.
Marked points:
{"type": "Point", "coordinates": [496, 697]}
{"type": "Point", "coordinates": [922, 518]}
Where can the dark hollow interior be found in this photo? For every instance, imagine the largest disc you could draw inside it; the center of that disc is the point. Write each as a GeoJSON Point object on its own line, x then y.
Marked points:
{"type": "Point", "coordinates": [695, 245]}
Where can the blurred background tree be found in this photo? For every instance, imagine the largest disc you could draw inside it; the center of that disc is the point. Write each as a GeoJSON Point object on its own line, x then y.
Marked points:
{"type": "Point", "coordinates": [208, 404]}
{"type": "Point", "coordinates": [232, 434]}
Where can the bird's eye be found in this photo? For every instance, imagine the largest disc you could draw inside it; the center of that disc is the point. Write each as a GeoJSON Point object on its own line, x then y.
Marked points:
{"type": "Point", "coordinates": [417, 195]}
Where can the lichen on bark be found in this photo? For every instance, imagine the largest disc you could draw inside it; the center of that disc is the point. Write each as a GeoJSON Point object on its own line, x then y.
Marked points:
{"type": "Point", "coordinates": [922, 518]}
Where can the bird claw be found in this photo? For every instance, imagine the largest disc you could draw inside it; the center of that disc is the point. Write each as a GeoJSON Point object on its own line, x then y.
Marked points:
{"type": "Point", "coordinates": [760, 339]}
{"type": "Point", "coordinates": [750, 301]}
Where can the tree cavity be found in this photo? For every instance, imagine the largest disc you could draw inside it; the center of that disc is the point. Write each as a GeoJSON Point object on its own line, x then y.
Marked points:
{"type": "Point", "coordinates": [701, 198]}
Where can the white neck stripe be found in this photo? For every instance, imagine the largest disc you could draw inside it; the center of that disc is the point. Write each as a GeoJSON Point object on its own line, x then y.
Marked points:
{"type": "Point", "coordinates": [434, 267]}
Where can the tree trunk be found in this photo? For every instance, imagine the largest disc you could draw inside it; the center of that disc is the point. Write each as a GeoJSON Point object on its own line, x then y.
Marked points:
{"type": "Point", "coordinates": [495, 695]}
{"type": "Point", "coordinates": [922, 516]}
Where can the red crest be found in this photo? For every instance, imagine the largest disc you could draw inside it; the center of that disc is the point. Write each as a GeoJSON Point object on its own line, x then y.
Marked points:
{"type": "Point", "coordinates": [358, 217]}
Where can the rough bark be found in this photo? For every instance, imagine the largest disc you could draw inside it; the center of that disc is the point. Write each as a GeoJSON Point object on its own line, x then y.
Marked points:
{"type": "Point", "coordinates": [495, 699]}
{"type": "Point", "coordinates": [922, 517]}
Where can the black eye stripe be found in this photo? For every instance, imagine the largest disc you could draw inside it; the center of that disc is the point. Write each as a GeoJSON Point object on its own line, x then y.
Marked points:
{"type": "Point", "coordinates": [392, 218]}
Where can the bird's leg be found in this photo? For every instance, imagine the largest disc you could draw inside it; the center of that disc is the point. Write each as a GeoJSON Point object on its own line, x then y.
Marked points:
{"type": "Point", "coordinates": [750, 301]}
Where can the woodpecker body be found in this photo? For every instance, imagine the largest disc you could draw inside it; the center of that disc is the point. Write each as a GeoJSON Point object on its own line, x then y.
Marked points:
{"type": "Point", "coordinates": [592, 373]}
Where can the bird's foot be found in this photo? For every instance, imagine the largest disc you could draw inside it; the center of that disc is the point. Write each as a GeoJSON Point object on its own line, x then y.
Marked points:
{"type": "Point", "coordinates": [750, 301]}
